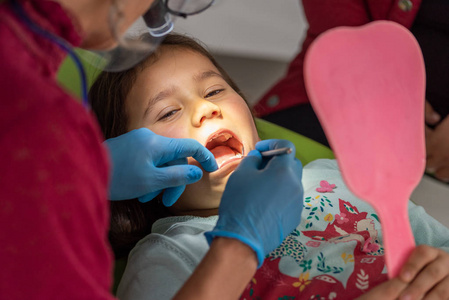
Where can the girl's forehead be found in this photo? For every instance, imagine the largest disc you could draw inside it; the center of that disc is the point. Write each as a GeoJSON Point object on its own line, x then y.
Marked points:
{"type": "Point", "coordinates": [173, 61]}
{"type": "Point", "coordinates": [171, 67]}
{"type": "Point", "coordinates": [177, 52]}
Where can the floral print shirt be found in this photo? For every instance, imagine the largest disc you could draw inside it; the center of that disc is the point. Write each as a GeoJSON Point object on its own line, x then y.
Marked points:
{"type": "Point", "coordinates": [336, 252]}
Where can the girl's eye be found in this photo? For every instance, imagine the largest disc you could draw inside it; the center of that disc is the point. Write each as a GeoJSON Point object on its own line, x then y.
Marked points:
{"type": "Point", "coordinates": [214, 92]}
{"type": "Point", "coordinates": [168, 115]}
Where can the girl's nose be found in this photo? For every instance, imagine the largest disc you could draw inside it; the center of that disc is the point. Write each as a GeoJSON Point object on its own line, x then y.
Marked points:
{"type": "Point", "coordinates": [205, 110]}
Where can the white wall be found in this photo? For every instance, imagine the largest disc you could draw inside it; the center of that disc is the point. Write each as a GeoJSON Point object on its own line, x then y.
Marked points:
{"type": "Point", "coordinates": [264, 29]}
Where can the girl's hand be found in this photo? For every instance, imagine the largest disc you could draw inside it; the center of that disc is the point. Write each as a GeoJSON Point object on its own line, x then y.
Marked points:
{"type": "Point", "coordinates": [389, 290]}
{"type": "Point", "coordinates": [427, 274]}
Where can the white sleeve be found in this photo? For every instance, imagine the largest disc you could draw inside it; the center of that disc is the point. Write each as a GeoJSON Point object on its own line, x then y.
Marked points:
{"type": "Point", "coordinates": [157, 268]}
{"type": "Point", "coordinates": [426, 229]}
{"type": "Point", "coordinates": [323, 164]}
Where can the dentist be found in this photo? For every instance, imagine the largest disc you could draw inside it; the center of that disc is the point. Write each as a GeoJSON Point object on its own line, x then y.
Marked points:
{"type": "Point", "coordinates": [55, 178]}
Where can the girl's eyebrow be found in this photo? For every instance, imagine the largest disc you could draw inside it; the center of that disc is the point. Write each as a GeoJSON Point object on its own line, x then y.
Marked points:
{"type": "Point", "coordinates": [171, 90]}
{"type": "Point", "coordinates": [159, 96]}
{"type": "Point", "coordinates": [205, 75]}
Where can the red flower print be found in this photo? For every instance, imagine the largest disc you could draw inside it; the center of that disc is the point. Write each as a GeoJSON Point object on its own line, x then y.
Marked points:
{"type": "Point", "coordinates": [341, 218]}
{"type": "Point", "coordinates": [313, 244]}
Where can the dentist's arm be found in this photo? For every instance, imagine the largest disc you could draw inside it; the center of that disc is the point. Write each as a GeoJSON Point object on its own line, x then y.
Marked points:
{"type": "Point", "coordinates": [261, 205]}
{"type": "Point", "coordinates": [144, 164]}
{"type": "Point", "coordinates": [223, 273]}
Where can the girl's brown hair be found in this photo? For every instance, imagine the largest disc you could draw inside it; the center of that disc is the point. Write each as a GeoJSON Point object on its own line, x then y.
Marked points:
{"type": "Point", "coordinates": [130, 219]}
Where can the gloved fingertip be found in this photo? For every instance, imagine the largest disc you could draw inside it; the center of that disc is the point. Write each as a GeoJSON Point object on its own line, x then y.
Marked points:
{"type": "Point", "coordinates": [194, 174]}
{"type": "Point", "coordinates": [254, 153]}
{"type": "Point", "coordinates": [144, 199]}
{"type": "Point", "coordinates": [148, 197]}
{"type": "Point", "coordinates": [168, 201]}
{"type": "Point", "coordinates": [210, 165]}
{"type": "Point", "coordinates": [171, 195]}
{"type": "Point", "coordinates": [214, 165]}
{"type": "Point", "coordinates": [272, 144]}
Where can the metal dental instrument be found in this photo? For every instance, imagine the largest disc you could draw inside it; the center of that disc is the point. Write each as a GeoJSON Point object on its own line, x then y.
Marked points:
{"type": "Point", "coordinates": [275, 152]}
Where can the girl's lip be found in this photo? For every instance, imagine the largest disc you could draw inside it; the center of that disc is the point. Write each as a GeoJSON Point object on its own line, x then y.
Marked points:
{"type": "Point", "coordinates": [227, 167]}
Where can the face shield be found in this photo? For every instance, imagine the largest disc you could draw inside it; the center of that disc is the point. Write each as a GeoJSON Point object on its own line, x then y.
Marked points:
{"type": "Point", "coordinates": [156, 23]}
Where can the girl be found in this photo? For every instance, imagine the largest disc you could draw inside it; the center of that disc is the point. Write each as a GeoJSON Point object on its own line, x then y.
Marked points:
{"type": "Point", "coordinates": [336, 251]}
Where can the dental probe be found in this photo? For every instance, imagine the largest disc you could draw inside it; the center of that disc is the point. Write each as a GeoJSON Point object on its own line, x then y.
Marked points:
{"type": "Point", "coordinates": [275, 152]}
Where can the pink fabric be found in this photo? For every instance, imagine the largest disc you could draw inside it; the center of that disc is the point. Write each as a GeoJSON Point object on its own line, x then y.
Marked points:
{"type": "Point", "coordinates": [318, 274]}
{"type": "Point", "coordinates": [53, 186]}
{"type": "Point", "coordinates": [321, 16]}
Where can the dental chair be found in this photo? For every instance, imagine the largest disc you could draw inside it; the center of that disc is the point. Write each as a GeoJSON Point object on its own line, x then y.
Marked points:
{"type": "Point", "coordinates": [307, 150]}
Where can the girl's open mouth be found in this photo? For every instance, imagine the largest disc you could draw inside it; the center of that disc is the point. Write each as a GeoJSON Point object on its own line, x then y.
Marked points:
{"type": "Point", "coordinates": [225, 146]}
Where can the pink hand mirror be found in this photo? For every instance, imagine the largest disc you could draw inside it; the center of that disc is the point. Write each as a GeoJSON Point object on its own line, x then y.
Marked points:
{"type": "Point", "coordinates": [367, 87]}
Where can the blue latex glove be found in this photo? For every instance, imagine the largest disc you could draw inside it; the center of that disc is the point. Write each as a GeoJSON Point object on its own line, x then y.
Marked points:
{"type": "Point", "coordinates": [144, 164]}
{"type": "Point", "coordinates": [262, 205]}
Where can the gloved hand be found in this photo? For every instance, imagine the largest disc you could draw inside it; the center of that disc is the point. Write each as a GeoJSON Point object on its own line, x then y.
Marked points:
{"type": "Point", "coordinates": [260, 207]}
{"type": "Point", "coordinates": [144, 164]}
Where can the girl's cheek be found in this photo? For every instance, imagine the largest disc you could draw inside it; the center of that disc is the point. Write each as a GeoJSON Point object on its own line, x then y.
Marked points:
{"type": "Point", "coordinates": [177, 133]}
{"type": "Point", "coordinates": [172, 130]}
{"type": "Point", "coordinates": [243, 106]}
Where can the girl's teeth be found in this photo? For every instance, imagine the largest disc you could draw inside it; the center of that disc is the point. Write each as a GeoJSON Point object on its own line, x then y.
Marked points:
{"type": "Point", "coordinates": [222, 137]}
{"type": "Point", "coordinates": [227, 135]}
{"type": "Point", "coordinates": [237, 155]}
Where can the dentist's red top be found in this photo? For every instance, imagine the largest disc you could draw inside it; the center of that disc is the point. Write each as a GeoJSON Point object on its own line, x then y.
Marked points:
{"type": "Point", "coordinates": [54, 170]}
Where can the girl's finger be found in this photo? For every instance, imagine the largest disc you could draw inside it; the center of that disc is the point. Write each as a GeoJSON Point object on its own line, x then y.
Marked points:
{"type": "Point", "coordinates": [441, 291]}
{"type": "Point", "coordinates": [386, 291]}
{"type": "Point", "coordinates": [430, 277]}
{"type": "Point", "coordinates": [421, 256]}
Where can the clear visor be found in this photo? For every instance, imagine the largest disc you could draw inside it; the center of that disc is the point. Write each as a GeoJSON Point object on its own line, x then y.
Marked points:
{"type": "Point", "coordinates": [140, 40]}
{"type": "Point", "coordinates": [144, 36]}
